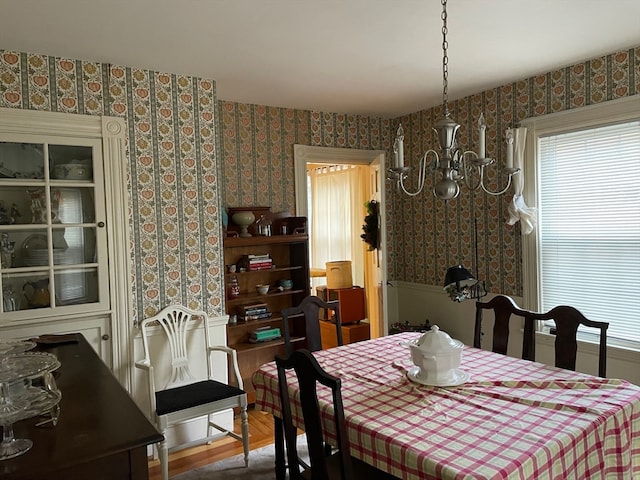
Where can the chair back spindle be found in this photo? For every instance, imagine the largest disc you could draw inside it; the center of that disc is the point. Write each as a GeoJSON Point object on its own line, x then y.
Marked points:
{"type": "Point", "coordinates": [310, 308]}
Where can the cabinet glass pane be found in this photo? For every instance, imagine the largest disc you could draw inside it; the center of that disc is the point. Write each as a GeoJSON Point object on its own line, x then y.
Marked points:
{"type": "Point", "coordinates": [79, 245]}
{"type": "Point", "coordinates": [78, 285]}
{"type": "Point", "coordinates": [72, 205]}
{"type": "Point", "coordinates": [24, 291]}
{"type": "Point", "coordinates": [21, 160]}
{"type": "Point", "coordinates": [29, 248]}
{"type": "Point", "coordinates": [22, 205]}
{"type": "Point", "coordinates": [70, 162]}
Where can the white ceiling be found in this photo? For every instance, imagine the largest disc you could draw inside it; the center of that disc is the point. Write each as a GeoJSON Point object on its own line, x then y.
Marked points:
{"type": "Point", "coordinates": [369, 57]}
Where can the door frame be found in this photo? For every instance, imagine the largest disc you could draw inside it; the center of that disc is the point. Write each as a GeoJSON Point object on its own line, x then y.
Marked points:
{"type": "Point", "coordinates": [306, 154]}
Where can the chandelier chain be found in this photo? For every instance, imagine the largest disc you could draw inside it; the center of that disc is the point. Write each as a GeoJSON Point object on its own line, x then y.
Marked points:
{"type": "Point", "coordinates": [445, 57]}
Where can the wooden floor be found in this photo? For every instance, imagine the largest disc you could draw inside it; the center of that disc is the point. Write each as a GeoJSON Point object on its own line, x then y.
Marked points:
{"type": "Point", "coordinates": [260, 435]}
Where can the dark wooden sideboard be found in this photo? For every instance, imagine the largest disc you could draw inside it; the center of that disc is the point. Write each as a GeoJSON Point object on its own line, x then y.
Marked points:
{"type": "Point", "coordinates": [101, 433]}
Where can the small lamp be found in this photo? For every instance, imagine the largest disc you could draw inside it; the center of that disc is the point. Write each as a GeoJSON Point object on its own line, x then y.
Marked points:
{"type": "Point", "coordinates": [460, 284]}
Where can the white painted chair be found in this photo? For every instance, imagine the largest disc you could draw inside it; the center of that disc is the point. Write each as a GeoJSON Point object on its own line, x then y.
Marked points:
{"type": "Point", "coordinates": [183, 397]}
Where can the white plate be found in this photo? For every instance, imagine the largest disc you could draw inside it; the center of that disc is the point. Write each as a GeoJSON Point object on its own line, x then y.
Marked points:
{"type": "Point", "coordinates": [37, 241]}
{"type": "Point", "coordinates": [459, 377]}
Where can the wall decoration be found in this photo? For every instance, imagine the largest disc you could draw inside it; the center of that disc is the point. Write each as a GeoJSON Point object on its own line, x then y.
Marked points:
{"type": "Point", "coordinates": [371, 228]}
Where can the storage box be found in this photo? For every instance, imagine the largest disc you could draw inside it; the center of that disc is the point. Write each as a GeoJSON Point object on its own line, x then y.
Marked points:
{"type": "Point", "coordinates": [356, 332]}
{"type": "Point", "coordinates": [352, 306]}
{"type": "Point", "coordinates": [339, 274]}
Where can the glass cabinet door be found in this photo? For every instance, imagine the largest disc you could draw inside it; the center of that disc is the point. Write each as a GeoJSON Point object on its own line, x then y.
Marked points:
{"type": "Point", "coordinates": [52, 235]}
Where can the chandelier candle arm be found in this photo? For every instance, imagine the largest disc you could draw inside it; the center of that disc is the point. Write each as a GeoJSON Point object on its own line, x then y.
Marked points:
{"type": "Point", "coordinates": [401, 175]}
{"type": "Point", "coordinates": [482, 130]}
{"type": "Point", "coordinates": [509, 135]}
{"type": "Point", "coordinates": [398, 148]}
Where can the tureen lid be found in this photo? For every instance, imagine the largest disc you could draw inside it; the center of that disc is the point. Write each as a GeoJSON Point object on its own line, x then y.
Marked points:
{"type": "Point", "coordinates": [437, 341]}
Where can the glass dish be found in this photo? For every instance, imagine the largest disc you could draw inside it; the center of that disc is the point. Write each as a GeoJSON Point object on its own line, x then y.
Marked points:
{"type": "Point", "coordinates": [11, 347]}
{"type": "Point", "coordinates": [27, 365]}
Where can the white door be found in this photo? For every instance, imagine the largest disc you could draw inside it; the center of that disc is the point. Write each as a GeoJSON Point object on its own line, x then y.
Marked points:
{"type": "Point", "coordinates": [373, 260]}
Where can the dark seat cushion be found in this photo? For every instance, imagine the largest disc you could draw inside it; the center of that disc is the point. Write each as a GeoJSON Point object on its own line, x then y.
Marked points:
{"type": "Point", "coordinates": [192, 395]}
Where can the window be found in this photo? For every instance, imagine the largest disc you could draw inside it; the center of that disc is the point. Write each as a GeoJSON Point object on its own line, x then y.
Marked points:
{"type": "Point", "coordinates": [586, 184]}
{"type": "Point", "coordinates": [335, 204]}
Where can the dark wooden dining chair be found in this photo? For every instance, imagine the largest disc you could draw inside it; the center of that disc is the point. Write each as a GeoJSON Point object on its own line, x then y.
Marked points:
{"type": "Point", "coordinates": [567, 320]}
{"type": "Point", "coordinates": [310, 309]}
{"type": "Point", "coordinates": [503, 309]}
{"type": "Point", "coordinates": [340, 465]}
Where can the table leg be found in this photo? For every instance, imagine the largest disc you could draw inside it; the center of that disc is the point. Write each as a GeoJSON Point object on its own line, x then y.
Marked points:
{"type": "Point", "coordinates": [278, 434]}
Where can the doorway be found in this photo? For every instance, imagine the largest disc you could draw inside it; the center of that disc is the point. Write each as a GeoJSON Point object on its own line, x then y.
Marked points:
{"type": "Point", "coordinates": [373, 262]}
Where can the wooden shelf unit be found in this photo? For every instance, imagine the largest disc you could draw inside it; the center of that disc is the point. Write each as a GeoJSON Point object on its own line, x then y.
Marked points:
{"type": "Point", "coordinates": [290, 255]}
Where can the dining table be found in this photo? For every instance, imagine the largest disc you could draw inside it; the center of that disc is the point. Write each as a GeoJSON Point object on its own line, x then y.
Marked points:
{"type": "Point", "coordinates": [507, 419]}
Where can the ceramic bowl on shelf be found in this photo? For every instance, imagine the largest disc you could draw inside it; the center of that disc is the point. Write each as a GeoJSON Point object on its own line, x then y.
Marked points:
{"type": "Point", "coordinates": [286, 284]}
{"type": "Point", "coordinates": [262, 289]}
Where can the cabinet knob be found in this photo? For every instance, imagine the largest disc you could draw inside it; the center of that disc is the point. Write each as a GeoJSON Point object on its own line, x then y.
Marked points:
{"type": "Point", "coordinates": [105, 337]}
{"type": "Point", "coordinates": [101, 224]}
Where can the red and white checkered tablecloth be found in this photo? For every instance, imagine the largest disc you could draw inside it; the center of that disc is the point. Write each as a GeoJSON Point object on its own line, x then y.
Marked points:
{"type": "Point", "coordinates": [513, 419]}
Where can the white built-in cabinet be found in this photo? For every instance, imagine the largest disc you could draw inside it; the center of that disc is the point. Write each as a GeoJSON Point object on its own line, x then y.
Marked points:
{"type": "Point", "coordinates": [63, 229]}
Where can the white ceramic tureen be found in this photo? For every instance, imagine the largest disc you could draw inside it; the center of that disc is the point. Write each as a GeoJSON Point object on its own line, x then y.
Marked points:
{"type": "Point", "coordinates": [437, 356]}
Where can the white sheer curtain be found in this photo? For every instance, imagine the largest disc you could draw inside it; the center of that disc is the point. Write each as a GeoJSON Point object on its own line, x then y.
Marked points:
{"type": "Point", "coordinates": [518, 210]}
{"type": "Point", "coordinates": [336, 217]}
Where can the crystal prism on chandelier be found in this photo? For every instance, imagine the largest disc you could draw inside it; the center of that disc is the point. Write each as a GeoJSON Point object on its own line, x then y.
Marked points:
{"type": "Point", "coordinates": [454, 164]}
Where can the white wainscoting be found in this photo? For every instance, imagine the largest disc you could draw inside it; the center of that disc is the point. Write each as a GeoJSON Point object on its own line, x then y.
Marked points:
{"type": "Point", "coordinates": [415, 302]}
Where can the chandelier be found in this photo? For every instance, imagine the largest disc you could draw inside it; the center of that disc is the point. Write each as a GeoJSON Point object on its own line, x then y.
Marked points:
{"type": "Point", "coordinates": [454, 164]}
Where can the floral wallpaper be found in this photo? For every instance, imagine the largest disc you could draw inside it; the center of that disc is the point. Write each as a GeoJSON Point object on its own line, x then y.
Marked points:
{"type": "Point", "coordinates": [188, 151]}
{"type": "Point", "coordinates": [256, 148]}
{"type": "Point", "coordinates": [174, 187]}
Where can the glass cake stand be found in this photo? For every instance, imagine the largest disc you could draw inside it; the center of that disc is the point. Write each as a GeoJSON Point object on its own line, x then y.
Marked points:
{"type": "Point", "coordinates": [20, 398]}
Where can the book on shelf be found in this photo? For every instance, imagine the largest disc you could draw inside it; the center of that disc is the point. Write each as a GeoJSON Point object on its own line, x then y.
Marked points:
{"type": "Point", "coordinates": [260, 266]}
{"type": "Point", "coordinates": [249, 306]}
{"type": "Point", "coordinates": [255, 316]}
{"type": "Point", "coordinates": [261, 261]}
{"type": "Point", "coordinates": [254, 308]}
{"type": "Point", "coordinates": [255, 311]}
{"type": "Point", "coordinates": [264, 334]}
{"type": "Point", "coordinates": [262, 256]}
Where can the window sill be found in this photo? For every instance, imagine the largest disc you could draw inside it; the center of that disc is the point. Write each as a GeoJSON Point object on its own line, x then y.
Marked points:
{"type": "Point", "coordinates": [627, 353]}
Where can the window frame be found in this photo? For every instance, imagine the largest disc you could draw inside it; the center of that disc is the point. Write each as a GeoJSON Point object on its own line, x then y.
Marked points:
{"type": "Point", "coordinates": [592, 116]}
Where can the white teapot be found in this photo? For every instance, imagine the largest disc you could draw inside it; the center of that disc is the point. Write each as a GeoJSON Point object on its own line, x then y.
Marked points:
{"type": "Point", "coordinates": [437, 355]}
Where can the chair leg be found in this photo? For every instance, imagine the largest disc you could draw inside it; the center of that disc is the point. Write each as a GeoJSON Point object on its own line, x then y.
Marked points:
{"type": "Point", "coordinates": [327, 449]}
{"type": "Point", "coordinates": [245, 434]}
{"type": "Point", "coordinates": [209, 428]}
{"type": "Point", "coordinates": [164, 459]}
{"type": "Point", "coordinates": [280, 464]}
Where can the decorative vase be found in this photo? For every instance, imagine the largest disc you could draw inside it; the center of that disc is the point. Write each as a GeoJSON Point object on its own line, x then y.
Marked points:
{"type": "Point", "coordinates": [243, 219]}
{"type": "Point", "coordinates": [225, 218]}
